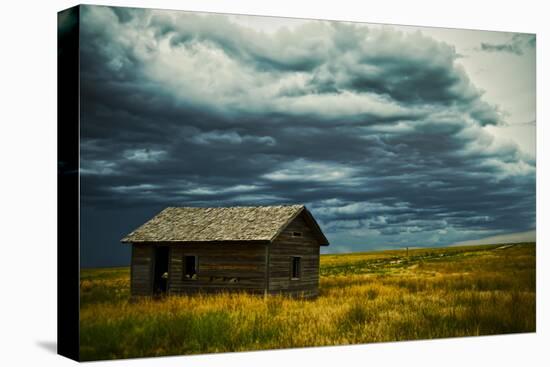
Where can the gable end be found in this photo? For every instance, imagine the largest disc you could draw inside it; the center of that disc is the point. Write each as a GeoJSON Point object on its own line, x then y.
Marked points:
{"type": "Point", "coordinates": [311, 223]}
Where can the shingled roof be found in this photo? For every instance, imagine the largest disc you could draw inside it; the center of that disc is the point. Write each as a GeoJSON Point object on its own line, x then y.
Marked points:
{"type": "Point", "coordinates": [232, 224]}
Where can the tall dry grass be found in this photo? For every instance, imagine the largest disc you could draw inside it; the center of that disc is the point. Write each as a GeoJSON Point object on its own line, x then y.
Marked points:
{"type": "Point", "coordinates": [363, 298]}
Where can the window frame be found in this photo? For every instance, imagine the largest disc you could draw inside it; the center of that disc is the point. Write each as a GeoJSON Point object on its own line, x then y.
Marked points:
{"type": "Point", "coordinates": [299, 260]}
{"type": "Point", "coordinates": [184, 267]}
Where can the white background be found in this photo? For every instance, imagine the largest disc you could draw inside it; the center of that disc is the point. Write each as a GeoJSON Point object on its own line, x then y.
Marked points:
{"type": "Point", "coordinates": [28, 183]}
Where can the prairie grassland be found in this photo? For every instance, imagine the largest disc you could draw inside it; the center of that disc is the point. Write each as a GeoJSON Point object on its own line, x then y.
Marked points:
{"type": "Point", "coordinates": [364, 298]}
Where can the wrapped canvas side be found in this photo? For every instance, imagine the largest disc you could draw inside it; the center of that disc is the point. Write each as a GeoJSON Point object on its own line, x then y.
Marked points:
{"type": "Point", "coordinates": [68, 240]}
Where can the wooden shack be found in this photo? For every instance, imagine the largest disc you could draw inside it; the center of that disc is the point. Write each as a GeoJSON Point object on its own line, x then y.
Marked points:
{"type": "Point", "coordinates": [263, 249]}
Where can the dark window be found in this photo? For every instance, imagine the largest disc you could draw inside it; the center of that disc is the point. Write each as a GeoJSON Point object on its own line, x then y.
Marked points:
{"type": "Point", "coordinates": [295, 268]}
{"type": "Point", "coordinates": [297, 234]}
{"type": "Point", "coordinates": [190, 263]}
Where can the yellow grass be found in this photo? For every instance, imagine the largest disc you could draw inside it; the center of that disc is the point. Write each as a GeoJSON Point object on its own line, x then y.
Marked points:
{"type": "Point", "coordinates": [364, 298]}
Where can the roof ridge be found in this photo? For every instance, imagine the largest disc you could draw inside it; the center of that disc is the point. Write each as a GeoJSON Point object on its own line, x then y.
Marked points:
{"type": "Point", "coordinates": [235, 206]}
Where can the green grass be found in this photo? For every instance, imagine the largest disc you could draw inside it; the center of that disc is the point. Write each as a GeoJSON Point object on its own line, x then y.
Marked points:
{"type": "Point", "coordinates": [365, 297]}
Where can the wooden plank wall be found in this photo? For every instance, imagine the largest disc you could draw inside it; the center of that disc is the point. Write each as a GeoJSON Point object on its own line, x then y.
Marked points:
{"type": "Point", "coordinates": [221, 267]}
{"type": "Point", "coordinates": [283, 248]}
{"type": "Point", "coordinates": [141, 272]}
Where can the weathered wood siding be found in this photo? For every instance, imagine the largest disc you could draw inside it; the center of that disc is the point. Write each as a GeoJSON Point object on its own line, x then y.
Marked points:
{"type": "Point", "coordinates": [285, 246]}
{"type": "Point", "coordinates": [221, 267]}
{"type": "Point", "coordinates": [142, 270]}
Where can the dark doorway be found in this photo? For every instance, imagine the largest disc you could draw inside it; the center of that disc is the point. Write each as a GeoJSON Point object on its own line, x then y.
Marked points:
{"type": "Point", "coordinates": [160, 280]}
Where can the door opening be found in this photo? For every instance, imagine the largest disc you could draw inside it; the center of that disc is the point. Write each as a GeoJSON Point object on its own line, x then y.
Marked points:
{"type": "Point", "coordinates": [160, 280]}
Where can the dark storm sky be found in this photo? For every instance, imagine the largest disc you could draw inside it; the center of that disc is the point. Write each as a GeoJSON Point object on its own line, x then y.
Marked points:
{"type": "Point", "coordinates": [378, 131]}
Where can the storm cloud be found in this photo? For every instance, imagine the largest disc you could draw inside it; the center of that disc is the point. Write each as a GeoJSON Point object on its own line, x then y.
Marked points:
{"type": "Point", "coordinates": [516, 45]}
{"type": "Point", "coordinates": [379, 132]}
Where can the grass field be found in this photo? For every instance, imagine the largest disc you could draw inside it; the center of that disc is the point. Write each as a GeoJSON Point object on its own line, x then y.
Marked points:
{"type": "Point", "coordinates": [364, 298]}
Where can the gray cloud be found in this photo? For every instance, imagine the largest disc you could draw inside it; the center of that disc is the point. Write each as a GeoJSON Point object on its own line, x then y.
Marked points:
{"type": "Point", "coordinates": [380, 132]}
{"type": "Point", "coordinates": [516, 45]}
